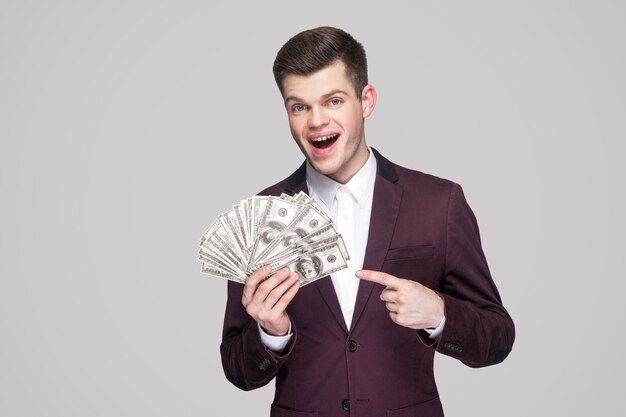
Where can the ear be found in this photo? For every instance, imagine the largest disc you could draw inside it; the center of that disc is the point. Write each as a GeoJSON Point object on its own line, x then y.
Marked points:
{"type": "Point", "coordinates": [368, 100]}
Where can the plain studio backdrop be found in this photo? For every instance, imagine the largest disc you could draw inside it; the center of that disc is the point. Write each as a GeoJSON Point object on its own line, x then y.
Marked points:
{"type": "Point", "coordinates": [126, 127]}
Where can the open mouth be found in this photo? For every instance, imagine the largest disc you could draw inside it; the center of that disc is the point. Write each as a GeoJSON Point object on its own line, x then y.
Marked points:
{"type": "Point", "coordinates": [324, 141]}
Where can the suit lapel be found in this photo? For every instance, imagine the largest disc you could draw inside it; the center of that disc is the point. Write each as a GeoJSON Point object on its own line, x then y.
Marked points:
{"type": "Point", "coordinates": [385, 207]}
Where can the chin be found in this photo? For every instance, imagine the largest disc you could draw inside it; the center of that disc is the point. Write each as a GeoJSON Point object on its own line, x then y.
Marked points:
{"type": "Point", "coordinates": [327, 168]}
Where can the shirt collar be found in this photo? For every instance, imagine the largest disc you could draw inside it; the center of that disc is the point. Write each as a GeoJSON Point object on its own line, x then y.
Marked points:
{"type": "Point", "coordinates": [360, 185]}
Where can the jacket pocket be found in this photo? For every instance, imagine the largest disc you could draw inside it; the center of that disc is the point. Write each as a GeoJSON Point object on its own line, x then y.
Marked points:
{"type": "Point", "coordinates": [430, 408]}
{"type": "Point", "coordinates": [410, 252]}
{"type": "Point", "coordinates": [277, 411]}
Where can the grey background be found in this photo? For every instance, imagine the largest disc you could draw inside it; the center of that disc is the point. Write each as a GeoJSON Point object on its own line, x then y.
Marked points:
{"type": "Point", "coordinates": [126, 127]}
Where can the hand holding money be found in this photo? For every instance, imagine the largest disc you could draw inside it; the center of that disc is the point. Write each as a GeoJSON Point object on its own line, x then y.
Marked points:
{"type": "Point", "coordinates": [266, 299]}
{"type": "Point", "coordinates": [286, 231]}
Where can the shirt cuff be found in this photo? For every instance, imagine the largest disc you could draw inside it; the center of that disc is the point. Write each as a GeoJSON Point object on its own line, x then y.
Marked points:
{"type": "Point", "coordinates": [275, 343]}
{"type": "Point", "coordinates": [434, 333]}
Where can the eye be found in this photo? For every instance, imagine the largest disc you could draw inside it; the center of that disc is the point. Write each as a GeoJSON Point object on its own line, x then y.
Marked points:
{"type": "Point", "coordinates": [298, 108]}
{"type": "Point", "coordinates": [334, 101]}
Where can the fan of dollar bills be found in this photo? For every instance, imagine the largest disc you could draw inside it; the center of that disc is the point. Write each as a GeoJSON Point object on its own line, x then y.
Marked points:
{"type": "Point", "coordinates": [277, 231]}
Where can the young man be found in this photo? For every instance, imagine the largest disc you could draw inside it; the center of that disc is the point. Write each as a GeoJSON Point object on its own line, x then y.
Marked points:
{"type": "Point", "coordinates": [362, 341]}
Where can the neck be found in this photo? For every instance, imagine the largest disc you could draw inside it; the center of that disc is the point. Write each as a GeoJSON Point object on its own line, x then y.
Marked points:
{"type": "Point", "coordinates": [359, 162]}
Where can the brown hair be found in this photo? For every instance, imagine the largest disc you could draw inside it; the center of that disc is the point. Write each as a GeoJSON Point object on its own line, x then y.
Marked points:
{"type": "Point", "coordinates": [314, 49]}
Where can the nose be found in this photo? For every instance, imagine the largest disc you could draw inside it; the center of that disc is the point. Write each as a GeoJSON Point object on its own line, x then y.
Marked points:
{"type": "Point", "coordinates": [317, 117]}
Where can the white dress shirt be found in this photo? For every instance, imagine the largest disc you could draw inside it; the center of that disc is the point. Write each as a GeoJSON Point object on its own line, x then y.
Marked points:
{"type": "Point", "coordinates": [349, 206]}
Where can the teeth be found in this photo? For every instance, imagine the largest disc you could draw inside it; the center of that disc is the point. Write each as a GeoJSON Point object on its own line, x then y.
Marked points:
{"type": "Point", "coordinates": [322, 138]}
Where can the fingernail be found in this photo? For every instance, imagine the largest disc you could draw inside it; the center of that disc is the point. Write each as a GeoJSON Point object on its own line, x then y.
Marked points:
{"type": "Point", "coordinates": [359, 273]}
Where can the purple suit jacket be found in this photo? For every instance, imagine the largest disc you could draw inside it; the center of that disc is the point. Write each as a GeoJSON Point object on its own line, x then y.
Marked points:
{"type": "Point", "coordinates": [421, 229]}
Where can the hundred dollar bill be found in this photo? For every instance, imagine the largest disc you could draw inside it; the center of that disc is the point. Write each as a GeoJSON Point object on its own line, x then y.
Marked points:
{"type": "Point", "coordinates": [211, 261]}
{"type": "Point", "coordinates": [208, 257]}
{"type": "Point", "coordinates": [304, 197]}
{"type": "Point", "coordinates": [245, 215]}
{"type": "Point", "coordinates": [285, 196]}
{"type": "Point", "coordinates": [241, 224]}
{"type": "Point", "coordinates": [220, 241]}
{"type": "Point", "coordinates": [210, 270]}
{"type": "Point", "coordinates": [321, 236]}
{"type": "Point", "coordinates": [277, 216]}
{"type": "Point", "coordinates": [248, 216]}
{"type": "Point", "coordinates": [306, 221]}
{"type": "Point", "coordinates": [209, 231]}
{"type": "Point", "coordinates": [220, 259]}
{"type": "Point", "coordinates": [259, 203]}
{"type": "Point", "coordinates": [316, 264]}
{"type": "Point", "coordinates": [227, 220]}
{"type": "Point", "coordinates": [280, 231]}
{"type": "Point", "coordinates": [231, 226]}
{"type": "Point", "coordinates": [303, 247]}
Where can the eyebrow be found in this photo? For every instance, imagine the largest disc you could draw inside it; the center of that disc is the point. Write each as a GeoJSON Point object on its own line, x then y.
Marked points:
{"type": "Point", "coordinates": [324, 97]}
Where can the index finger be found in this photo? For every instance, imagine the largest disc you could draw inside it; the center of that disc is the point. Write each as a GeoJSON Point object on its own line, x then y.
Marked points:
{"type": "Point", "coordinates": [259, 275]}
{"type": "Point", "coordinates": [379, 278]}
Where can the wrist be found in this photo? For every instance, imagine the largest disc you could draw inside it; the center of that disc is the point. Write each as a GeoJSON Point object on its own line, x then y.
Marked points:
{"type": "Point", "coordinates": [439, 314]}
{"type": "Point", "coordinates": [282, 329]}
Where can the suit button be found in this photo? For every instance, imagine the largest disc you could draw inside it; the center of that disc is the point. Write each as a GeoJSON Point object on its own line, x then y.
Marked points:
{"type": "Point", "coordinates": [352, 345]}
{"type": "Point", "coordinates": [264, 364]}
{"type": "Point", "coordinates": [345, 404]}
{"type": "Point", "coordinates": [453, 348]}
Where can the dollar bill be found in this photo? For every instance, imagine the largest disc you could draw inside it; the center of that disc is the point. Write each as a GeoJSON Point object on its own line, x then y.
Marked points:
{"type": "Point", "coordinates": [307, 221]}
{"type": "Point", "coordinates": [220, 242]}
{"type": "Point", "coordinates": [315, 264]}
{"type": "Point", "coordinates": [259, 203]}
{"type": "Point", "coordinates": [286, 231]}
{"type": "Point", "coordinates": [278, 214]}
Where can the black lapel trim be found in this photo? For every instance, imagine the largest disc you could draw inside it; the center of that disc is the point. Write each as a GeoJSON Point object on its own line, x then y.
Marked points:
{"type": "Point", "coordinates": [296, 179]}
{"type": "Point", "coordinates": [385, 167]}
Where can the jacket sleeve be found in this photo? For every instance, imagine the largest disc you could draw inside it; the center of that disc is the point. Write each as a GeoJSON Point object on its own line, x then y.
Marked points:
{"type": "Point", "coordinates": [247, 363]}
{"type": "Point", "coordinates": [478, 330]}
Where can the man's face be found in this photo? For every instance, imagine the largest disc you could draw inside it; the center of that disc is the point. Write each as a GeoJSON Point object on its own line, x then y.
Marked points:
{"type": "Point", "coordinates": [326, 120]}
